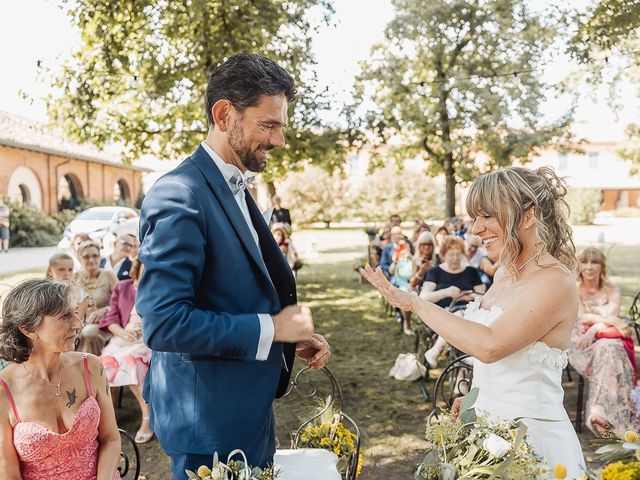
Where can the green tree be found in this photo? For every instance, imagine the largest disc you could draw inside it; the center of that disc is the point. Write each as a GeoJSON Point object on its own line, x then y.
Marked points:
{"type": "Point", "coordinates": [140, 73]}
{"type": "Point", "coordinates": [314, 195]}
{"type": "Point", "coordinates": [630, 149]}
{"type": "Point", "coordinates": [458, 77]}
{"type": "Point", "coordinates": [391, 190]}
{"type": "Point", "coordinates": [606, 27]}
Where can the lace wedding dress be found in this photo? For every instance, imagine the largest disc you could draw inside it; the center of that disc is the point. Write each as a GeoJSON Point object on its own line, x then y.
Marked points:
{"type": "Point", "coordinates": [527, 385]}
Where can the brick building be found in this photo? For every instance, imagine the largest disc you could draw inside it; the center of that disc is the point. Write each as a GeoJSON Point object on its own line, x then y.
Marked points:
{"type": "Point", "coordinates": [43, 169]}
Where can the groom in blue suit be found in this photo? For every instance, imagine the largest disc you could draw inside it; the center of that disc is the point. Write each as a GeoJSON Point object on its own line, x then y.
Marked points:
{"type": "Point", "coordinates": [217, 297]}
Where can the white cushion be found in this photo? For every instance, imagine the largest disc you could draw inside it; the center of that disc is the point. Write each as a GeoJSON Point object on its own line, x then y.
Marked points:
{"type": "Point", "coordinates": [307, 464]}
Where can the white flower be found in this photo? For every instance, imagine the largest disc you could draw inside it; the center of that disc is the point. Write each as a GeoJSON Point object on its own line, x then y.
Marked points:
{"type": "Point", "coordinates": [218, 473]}
{"type": "Point", "coordinates": [496, 446]}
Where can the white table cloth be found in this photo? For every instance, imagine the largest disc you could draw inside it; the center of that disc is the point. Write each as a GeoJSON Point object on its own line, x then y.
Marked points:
{"type": "Point", "coordinates": [307, 464]}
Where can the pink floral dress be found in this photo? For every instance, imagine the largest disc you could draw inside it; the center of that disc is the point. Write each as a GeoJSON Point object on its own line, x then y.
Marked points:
{"type": "Point", "coordinates": [126, 363]}
{"type": "Point", "coordinates": [47, 455]}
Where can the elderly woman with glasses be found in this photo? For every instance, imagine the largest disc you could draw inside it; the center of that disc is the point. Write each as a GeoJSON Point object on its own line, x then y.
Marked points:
{"type": "Point", "coordinates": [97, 283]}
{"type": "Point", "coordinates": [452, 280]}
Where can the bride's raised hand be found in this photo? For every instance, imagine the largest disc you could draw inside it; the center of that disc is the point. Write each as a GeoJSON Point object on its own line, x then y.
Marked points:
{"type": "Point", "coordinates": [393, 295]}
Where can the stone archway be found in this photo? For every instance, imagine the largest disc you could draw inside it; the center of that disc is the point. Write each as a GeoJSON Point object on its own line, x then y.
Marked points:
{"type": "Point", "coordinates": [121, 192]}
{"type": "Point", "coordinates": [24, 187]}
{"type": "Point", "coordinates": [70, 192]}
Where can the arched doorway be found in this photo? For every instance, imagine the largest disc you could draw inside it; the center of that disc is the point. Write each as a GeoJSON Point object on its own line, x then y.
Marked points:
{"type": "Point", "coordinates": [121, 193]}
{"type": "Point", "coordinates": [69, 192]}
{"type": "Point", "coordinates": [24, 187]}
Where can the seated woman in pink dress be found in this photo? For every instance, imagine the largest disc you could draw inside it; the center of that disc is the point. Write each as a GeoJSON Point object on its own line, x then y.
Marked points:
{"type": "Point", "coordinates": [126, 357]}
{"type": "Point", "coordinates": [602, 349]}
{"type": "Point", "coordinates": [56, 417]}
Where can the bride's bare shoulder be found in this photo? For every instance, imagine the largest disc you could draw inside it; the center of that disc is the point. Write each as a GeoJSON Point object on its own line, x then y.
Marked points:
{"type": "Point", "coordinates": [553, 275]}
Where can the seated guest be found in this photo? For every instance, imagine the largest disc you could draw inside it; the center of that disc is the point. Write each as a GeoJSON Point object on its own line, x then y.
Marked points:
{"type": "Point", "coordinates": [419, 227]}
{"type": "Point", "coordinates": [61, 269]}
{"type": "Point", "coordinates": [401, 270]}
{"type": "Point", "coordinates": [119, 262]}
{"type": "Point", "coordinates": [98, 285]}
{"type": "Point", "coordinates": [476, 256]}
{"type": "Point", "coordinates": [450, 281]}
{"type": "Point", "coordinates": [379, 242]}
{"type": "Point", "coordinates": [440, 235]}
{"type": "Point", "coordinates": [424, 259]}
{"type": "Point", "coordinates": [386, 259]}
{"type": "Point", "coordinates": [56, 416]}
{"type": "Point", "coordinates": [281, 236]}
{"type": "Point", "coordinates": [126, 358]}
{"type": "Point", "coordinates": [487, 270]}
{"type": "Point", "coordinates": [473, 251]}
{"type": "Point", "coordinates": [602, 349]}
{"type": "Point", "coordinates": [77, 240]}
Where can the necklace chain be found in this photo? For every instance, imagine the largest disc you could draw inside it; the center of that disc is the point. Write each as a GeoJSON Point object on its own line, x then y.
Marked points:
{"type": "Point", "coordinates": [518, 269]}
{"type": "Point", "coordinates": [57, 385]}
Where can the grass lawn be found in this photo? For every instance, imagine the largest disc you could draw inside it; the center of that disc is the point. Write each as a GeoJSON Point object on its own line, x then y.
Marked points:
{"type": "Point", "coordinates": [365, 343]}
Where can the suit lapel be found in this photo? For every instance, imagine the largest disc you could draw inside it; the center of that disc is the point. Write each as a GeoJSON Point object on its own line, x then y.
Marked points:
{"type": "Point", "coordinates": [221, 190]}
{"type": "Point", "coordinates": [277, 266]}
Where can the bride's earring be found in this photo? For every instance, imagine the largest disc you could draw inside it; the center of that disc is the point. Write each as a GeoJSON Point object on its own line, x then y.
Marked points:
{"type": "Point", "coordinates": [34, 344]}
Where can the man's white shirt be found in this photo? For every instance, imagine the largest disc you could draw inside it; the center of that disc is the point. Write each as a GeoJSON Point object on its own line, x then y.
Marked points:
{"type": "Point", "coordinates": [227, 170]}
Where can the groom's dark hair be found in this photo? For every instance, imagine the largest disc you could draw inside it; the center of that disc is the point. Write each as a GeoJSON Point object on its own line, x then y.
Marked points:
{"type": "Point", "coordinates": [244, 78]}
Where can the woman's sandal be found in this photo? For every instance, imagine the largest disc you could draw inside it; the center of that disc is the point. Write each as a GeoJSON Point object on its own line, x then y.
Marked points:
{"type": "Point", "coordinates": [143, 437]}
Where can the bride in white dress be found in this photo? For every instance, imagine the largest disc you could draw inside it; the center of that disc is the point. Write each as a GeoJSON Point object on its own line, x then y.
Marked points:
{"type": "Point", "coordinates": [519, 330]}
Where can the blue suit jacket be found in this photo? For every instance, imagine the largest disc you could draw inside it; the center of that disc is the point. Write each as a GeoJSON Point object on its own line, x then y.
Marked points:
{"type": "Point", "coordinates": [205, 281]}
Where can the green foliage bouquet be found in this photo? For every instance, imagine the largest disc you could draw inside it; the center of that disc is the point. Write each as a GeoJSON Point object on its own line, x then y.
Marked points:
{"type": "Point", "coordinates": [232, 470]}
{"type": "Point", "coordinates": [474, 448]}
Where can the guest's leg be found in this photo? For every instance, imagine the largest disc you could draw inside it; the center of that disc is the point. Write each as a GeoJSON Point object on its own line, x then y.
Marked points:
{"type": "Point", "coordinates": [181, 462]}
{"type": "Point", "coordinates": [92, 339]}
{"type": "Point", "coordinates": [144, 432]}
{"type": "Point", "coordinates": [434, 352]}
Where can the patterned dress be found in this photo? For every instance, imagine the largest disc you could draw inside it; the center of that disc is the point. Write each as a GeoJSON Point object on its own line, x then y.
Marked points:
{"type": "Point", "coordinates": [605, 364]}
{"type": "Point", "coordinates": [126, 363]}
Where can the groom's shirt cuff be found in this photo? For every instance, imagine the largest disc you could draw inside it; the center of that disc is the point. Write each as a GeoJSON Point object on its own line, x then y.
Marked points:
{"type": "Point", "coordinates": [266, 336]}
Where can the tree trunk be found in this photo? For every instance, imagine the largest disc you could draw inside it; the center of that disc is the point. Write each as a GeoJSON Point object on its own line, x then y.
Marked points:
{"type": "Point", "coordinates": [450, 186]}
{"type": "Point", "coordinates": [271, 188]}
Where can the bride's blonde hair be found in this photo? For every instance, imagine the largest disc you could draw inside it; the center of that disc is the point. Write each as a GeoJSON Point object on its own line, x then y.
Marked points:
{"type": "Point", "coordinates": [508, 193]}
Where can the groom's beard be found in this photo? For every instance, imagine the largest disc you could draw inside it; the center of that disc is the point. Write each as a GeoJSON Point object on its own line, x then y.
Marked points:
{"type": "Point", "coordinates": [247, 156]}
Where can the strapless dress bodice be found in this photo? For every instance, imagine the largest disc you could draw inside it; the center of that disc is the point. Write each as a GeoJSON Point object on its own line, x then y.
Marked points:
{"type": "Point", "coordinates": [526, 384]}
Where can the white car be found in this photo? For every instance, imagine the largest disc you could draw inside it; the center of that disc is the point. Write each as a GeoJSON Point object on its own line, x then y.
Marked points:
{"type": "Point", "coordinates": [101, 223]}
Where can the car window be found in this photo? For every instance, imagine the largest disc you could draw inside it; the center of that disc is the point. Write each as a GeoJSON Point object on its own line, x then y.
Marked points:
{"type": "Point", "coordinates": [95, 215]}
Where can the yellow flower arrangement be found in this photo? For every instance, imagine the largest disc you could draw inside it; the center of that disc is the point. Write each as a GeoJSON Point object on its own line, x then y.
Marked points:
{"type": "Point", "coordinates": [330, 434]}
{"type": "Point", "coordinates": [622, 471]}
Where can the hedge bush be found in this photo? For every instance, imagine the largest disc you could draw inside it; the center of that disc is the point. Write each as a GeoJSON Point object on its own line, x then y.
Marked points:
{"type": "Point", "coordinates": [31, 227]}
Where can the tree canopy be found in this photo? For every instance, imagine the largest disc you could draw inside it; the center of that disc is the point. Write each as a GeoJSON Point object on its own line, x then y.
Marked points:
{"type": "Point", "coordinates": [605, 27]}
{"type": "Point", "coordinates": [457, 77]}
{"type": "Point", "coordinates": [140, 73]}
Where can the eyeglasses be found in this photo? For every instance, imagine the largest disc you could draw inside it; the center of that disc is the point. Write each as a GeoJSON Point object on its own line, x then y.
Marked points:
{"type": "Point", "coordinates": [453, 254]}
{"type": "Point", "coordinates": [426, 243]}
{"type": "Point", "coordinates": [90, 257]}
{"type": "Point", "coordinates": [130, 245]}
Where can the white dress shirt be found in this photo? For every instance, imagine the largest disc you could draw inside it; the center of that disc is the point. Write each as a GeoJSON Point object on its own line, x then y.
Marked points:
{"type": "Point", "coordinates": [228, 171]}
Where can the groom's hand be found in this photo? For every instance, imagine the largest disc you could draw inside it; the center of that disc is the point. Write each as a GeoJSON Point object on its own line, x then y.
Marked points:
{"type": "Point", "coordinates": [293, 324]}
{"type": "Point", "coordinates": [316, 351]}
